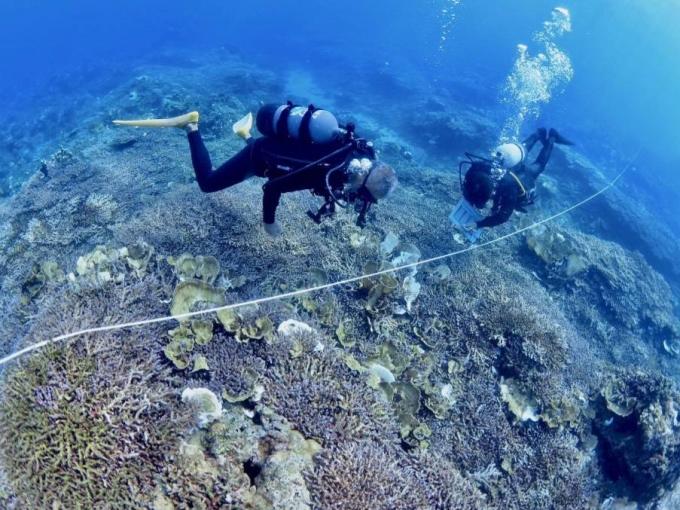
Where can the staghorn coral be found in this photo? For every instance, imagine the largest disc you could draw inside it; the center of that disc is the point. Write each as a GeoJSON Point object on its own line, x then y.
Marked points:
{"type": "Point", "coordinates": [83, 427]}
{"type": "Point", "coordinates": [322, 397]}
{"type": "Point", "coordinates": [367, 474]}
{"type": "Point", "coordinates": [445, 487]}
{"type": "Point", "coordinates": [360, 475]}
{"type": "Point", "coordinates": [102, 206]}
{"type": "Point", "coordinates": [236, 369]}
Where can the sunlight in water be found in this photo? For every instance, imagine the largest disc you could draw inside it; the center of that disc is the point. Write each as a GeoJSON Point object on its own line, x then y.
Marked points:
{"type": "Point", "coordinates": [534, 79]}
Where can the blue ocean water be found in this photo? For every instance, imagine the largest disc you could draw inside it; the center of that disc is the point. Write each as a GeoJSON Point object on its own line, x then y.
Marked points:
{"type": "Point", "coordinates": [624, 51]}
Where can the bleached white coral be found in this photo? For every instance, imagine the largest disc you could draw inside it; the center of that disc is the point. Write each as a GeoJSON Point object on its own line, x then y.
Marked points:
{"type": "Point", "coordinates": [292, 328]}
{"type": "Point", "coordinates": [35, 231]}
{"type": "Point", "coordinates": [102, 205]}
{"type": "Point", "coordinates": [208, 406]}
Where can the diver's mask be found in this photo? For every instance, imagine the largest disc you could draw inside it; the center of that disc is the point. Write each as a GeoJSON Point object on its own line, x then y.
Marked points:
{"type": "Point", "coordinates": [359, 171]}
{"type": "Point", "coordinates": [353, 192]}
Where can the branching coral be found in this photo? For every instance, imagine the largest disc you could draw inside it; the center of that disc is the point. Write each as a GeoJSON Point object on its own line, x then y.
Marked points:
{"type": "Point", "coordinates": [360, 475]}
{"type": "Point", "coordinates": [367, 474]}
{"type": "Point", "coordinates": [323, 398]}
{"type": "Point", "coordinates": [236, 371]}
{"type": "Point", "coordinates": [83, 427]}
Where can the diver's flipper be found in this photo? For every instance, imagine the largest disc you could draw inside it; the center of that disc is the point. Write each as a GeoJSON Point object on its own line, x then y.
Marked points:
{"type": "Point", "coordinates": [558, 138]}
{"type": "Point", "coordinates": [242, 127]}
{"type": "Point", "coordinates": [179, 122]}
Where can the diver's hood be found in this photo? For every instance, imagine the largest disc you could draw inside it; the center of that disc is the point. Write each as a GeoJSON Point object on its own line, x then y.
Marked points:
{"type": "Point", "coordinates": [509, 155]}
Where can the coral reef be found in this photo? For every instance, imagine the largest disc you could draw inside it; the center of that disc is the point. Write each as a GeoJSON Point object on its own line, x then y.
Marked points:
{"type": "Point", "coordinates": [637, 423]}
{"type": "Point", "coordinates": [620, 294]}
{"type": "Point", "coordinates": [322, 397]}
{"type": "Point", "coordinates": [71, 420]}
{"type": "Point", "coordinates": [366, 474]}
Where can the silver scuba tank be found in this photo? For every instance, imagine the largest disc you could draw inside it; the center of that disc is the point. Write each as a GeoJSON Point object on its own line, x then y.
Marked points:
{"type": "Point", "coordinates": [302, 123]}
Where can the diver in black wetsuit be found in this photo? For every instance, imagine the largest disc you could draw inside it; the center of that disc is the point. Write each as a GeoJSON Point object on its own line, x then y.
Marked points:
{"type": "Point", "coordinates": [302, 149]}
{"type": "Point", "coordinates": [508, 179]}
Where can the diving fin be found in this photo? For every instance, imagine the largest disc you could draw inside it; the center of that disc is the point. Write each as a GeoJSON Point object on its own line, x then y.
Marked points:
{"type": "Point", "coordinates": [243, 127]}
{"type": "Point", "coordinates": [558, 138]}
{"type": "Point", "coordinates": [179, 122]}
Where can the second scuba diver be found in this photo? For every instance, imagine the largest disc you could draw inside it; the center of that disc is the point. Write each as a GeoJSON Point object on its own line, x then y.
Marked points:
{"type": "Point", "coordinates": [507, 179]}
{"type": "Point", "coordinates": [302, 148]}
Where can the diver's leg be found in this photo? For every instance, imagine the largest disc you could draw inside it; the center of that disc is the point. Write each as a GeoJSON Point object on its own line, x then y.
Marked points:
{"type": "Point", "coordinates": [539, 135]}
{"type": "Point", "coordinates": [558, 138]}
{"type": "Point", "coordinates": [235, 170]}
{"type": "Point", "coordinates": [543, 157]}
{"type": "Point", "coordinates": [538, 167]}
{"type": "Point", "coordinates": [553, 138]}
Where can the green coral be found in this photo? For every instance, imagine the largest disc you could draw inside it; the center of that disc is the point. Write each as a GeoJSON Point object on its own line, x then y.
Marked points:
{"type": "Point", "coordinates": [203, 331]}
{"type": "Point", "coordinates": [617, 400]}
{"type": "Point", "coordinates": [188, 267]}
{"type": "Point", "coordinates": [377, 287]}
{"type": "Point", "coordinates": [137, 257]}
{"type": "Point", "coordinates": [180, 347]}
{"type": "Point", "coordinates": [556, 249]}
{"type": "Point", "coordinates": [71, 420]}
{"type": "Point", "coordinates": [522, 405]}
{"type": "Point", "coordinates": [184, 339]}
{"type": "Point", "coordinates": [247, 324]}
{"type": "Point", "coordinates": [190, 294]}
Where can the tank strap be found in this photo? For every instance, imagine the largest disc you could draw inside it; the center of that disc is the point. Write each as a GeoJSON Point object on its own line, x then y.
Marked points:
{"type": "Point", "coordinates": [282, 124]}
{"type": "Point", "coordinates": [519, 183]}
{"type": "Point", "coordinates": [305, 125]}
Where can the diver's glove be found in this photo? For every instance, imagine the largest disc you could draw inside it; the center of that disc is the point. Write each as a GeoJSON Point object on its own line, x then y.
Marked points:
{"type": "Point", "coordinates": [470, 227]}
{"type": "Point", "coordinates": [272, 229]}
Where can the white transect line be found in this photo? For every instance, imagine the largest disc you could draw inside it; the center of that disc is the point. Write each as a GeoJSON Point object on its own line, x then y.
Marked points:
{"type": "Point", "coordinates": [145, 322]}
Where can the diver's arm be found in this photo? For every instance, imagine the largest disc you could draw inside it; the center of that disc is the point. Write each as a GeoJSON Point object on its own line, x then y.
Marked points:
{"type": "Point", "coordinates": [276, 187]}
{"type": "Point", "coordinates": [495, 219]}
{"type": "Point", "coordinates": [502, 214]}
{"type": "Point", "coordinates": [270, 202]}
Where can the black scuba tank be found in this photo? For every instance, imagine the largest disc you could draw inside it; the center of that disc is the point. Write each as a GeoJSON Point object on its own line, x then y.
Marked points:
{"type": "Point", "coordinates": [304, 123]}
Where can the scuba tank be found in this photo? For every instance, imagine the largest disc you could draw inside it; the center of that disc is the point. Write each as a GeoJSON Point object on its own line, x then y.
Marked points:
{"type": "Point", "coordinates": [303, 123]}
{"type": "Point", "coordinates": [510, 155]}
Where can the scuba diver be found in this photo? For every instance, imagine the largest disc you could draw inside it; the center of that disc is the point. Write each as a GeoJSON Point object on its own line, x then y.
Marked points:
{"type": "Point", "coordinates": [302, 148]}
{"type": "Point", "coordinates": [506, 178]}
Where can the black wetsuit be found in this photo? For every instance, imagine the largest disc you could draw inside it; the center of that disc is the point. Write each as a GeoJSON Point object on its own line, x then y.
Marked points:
{"type": "Point", "coordinates": [514, 190]}
{"type": "Point", "coordinates": [272, 158]}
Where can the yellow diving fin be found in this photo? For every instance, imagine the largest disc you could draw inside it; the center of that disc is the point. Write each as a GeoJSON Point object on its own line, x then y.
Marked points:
{"type": "Point", "coordinates": [181, 121]}
{"type": "Point", "coordinates": [243, 127]}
